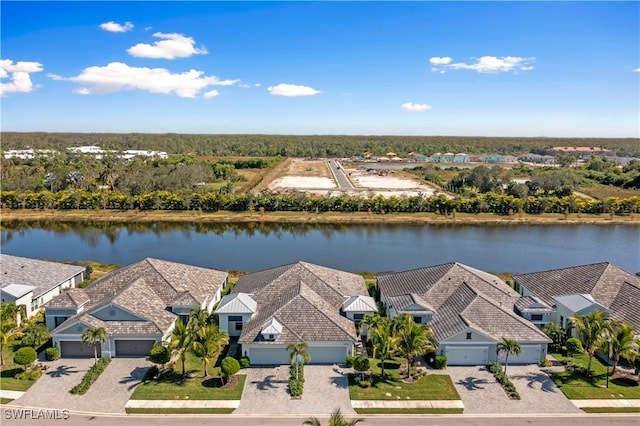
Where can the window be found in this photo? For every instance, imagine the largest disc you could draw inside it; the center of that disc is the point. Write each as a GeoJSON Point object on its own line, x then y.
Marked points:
{"type": "Point", "coordinates": [59, 320]}
{"type": "Point", "coordinates": [417, 319]}
{"type": "Point", "coordinates": [358, 317]}
{"type": "Point", "coordinates": [562, 321]}
{"type": "Point", "coordinates": [536, 317]}
{"type": "Point", "coordinates": [469, 336]}
{"type": "Point", "coordinates": [237, 318]}
{"type": "Point", "coordinates": [272, 337]}
{"type": "Point", "coordinates": [238, 326]}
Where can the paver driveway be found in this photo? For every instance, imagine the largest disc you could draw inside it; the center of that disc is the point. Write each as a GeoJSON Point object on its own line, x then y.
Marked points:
{"type": "Point", "coordinates": [481, 393]}
{"type": "Point", "coordinates": [108, 394]}
{"type": "Point", "coordinates": [265, 392]}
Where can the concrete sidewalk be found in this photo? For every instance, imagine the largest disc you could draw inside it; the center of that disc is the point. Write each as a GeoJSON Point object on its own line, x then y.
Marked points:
{"type": "Point", "coordinates": [615, 403]}
{"type": "Point", "coordinates": [164, 403]}
{"type": "Point", "coordinates": [10, 394]}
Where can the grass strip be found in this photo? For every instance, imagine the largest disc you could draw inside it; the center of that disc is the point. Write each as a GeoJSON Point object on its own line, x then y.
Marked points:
{"type": "Point", "coordinates": [179, 410]}
{"type": "Point", "coordinates": [409, 410]}
{"type": "Point", "coordinates": [5, 400]}
{"type": "Point", "coordinates": [611, 409]}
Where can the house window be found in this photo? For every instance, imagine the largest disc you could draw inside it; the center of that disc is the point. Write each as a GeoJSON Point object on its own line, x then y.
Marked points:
{"type": "Point", "coordinates": [358, 317]}
{"type": "Point", "coordinates": [237, 318]}
{"type": "Point", "coordinates": [272, 337]}
{"type": "Point", "coordinates": [469, 336]}
{"type": "Point", "coordinates": [238, 326]}
{"type": "Point", "coordinates": [417, 319]}
{"type": "Point", "coordinates": [561, 320]}
{"type": "Point", "coordinates": [536, 317]}
{"type": "Point", "coordinates": [59, 320]}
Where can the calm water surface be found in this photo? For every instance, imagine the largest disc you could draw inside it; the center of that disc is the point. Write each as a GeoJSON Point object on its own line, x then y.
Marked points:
{"type": "Point", "coordinates": [251, 247]}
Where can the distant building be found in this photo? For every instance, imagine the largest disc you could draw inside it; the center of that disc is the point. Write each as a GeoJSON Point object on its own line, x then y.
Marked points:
{"type": "Point", "coordinates": [537, 159]}
{"type": "Point", "coordinates": [443, 158]}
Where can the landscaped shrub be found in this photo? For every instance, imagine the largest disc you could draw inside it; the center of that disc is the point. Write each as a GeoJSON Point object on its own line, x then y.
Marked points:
{"type": "Point", "coordinates": [295, 387]}
{"type": "Point", "coordinates": [292, 372]}
{"type": "Point", "coordinates": [574, 346]}
{"type": "Point", "coordinates": [496, 369]}
{"type": "Point", "coordinates": [29, 375]}
{"type": "Point", "coordinates": [546, 363]}
{"type": "Point", "coordinates": [91, 376]}
{"type": "Point", "coordinates": [244, 362]}
{"type": "Point", "coordinates": [51, 354]}
{"type": "Point", "coordinates": [151, 373]}
{"type": "Point", "coordinates": [25, 356]}
{"type": "Point", "coordinates": [350, 359]}
{"type": "Point", "coordinates": [159, 354]}
{"type": "Point", "coordinates": [229, 366]}
{"type": "Point", "coordinates": [440, 362]}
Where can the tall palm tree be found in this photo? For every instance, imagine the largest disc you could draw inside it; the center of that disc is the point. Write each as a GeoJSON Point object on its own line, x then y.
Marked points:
{"type": "Point", "coordinates": [509, 347]}
{"type": "Point", "coordinates": [384, 342]}
{"type": "Point", "coordinates": [297, 351]}
{"type": "Point", "coordinates": [336, 419]}
{"type": "Point", "coordinates": [593, 329]}
{"type": "Point", "coordinates": [622, 343]}
{"type": "Point", "coordinates": [201, 317]}
{"type": "Point", "coordinates": [92, 336]}
{"type": "Point", "coordinates": [180, 341]}
{"type": "Point", "coordinates": [7, 335]}
{"type": "Point", "coordinates": [208, 344]}
{"type": "Point", "coordinates": [414, 340]}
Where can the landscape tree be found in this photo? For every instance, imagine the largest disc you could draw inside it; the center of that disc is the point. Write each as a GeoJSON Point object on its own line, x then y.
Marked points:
{"type": "Point", "coordinates": [336, 419]}
{"type": "Point", "coordinates": [621, 342]}
{"type": "Point", "coordinates": [298, 351]}
{"type": "Point", "coordinates": [556, 333]}
{"type": "Point", "coordinates": [413, 340]}
{"type": "Point", "coordinates": [92, 336]}
{"type": "Point", "coordinates": [25, 356]}
{"type": "Point", "coordinates": [159, 354]}
{"type": "Point", "coordinates": [361, 364]}
{"type": "Point", "coordinates": [208, 344]}
{"type": "Point", "coordinates": [593, 328]}
{"type": "Point", "coordinates": [509, 347]}
{"type": "Point", "coordinates": [229, 366]}
{"type": "Point", "coordinates": [7, 335]}
{"type": "Point", "coordinates": [35, 334]}
{"type": "Point", "coordinates": [180, 341]}
{"type": "Point", "coordinates": [384, 342]}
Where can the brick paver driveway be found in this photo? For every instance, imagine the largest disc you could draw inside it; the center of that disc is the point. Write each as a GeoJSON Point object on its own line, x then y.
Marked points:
{"type": "Point", "coordinates": [108, 394]}
{"type": "Point", "coordinates": [480, 392]}
{"type": "Point", "coordinates": [265, 392]}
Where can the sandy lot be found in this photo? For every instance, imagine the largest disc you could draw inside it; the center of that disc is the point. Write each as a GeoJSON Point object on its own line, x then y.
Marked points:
{"type": "Point", "coordinates": [314, 177]}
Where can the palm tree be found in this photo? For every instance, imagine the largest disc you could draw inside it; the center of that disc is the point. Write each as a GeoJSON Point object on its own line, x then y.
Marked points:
{"type": "Point", "coordinates": [414, 340]}
{"type": "Point", "coordinates": [556, 333]}
{"type": "Point", "coordinates": [297, 351]}
{"type": "Point", "coordinates": [622, 342]}
{"type": "Point", "coordinates": [384, 342]}
{"type": "Point", "coordinates": [7, 335]}
{"type": "Point", "coordinates": [92, 336]}
{"type": "Point", "coordinates": [209, 343]}
{"type": "Point", "coordinates": [336, 419]}
{"type": "Point", "coordinates": [593, 329]}
{"type": "Point", "coordinates": [201, 317]}
{"type": "Point", "coordinates": [509, 347]}
{"type": "Point", "coordinates": [180, 341]}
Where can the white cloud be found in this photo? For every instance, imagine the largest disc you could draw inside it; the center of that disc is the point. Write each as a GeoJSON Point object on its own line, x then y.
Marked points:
{"type": "Point", "coordinates": [258, 84]}
{"type": "Point", "coordinates": [636, 70]}
{"type": "Point", "coordinates": [410, 106]}
{"type": "Point", "coordinates": [118, 76]}
{"type": "Point", "coordinates": [114, 27]}
{"type": "Point", "coordinates": [484, 64]}
{"type": "Point", "coordinates": [243, 86]}
{"type": "Point", "coordinates": [211, 94]}
{"type": "Point", "coordinates": [284, 89]}
{"type": "Point", "coordinates": [18, 73]}
{"type": "Point", "coordinates": [444, 60]}
{"type": "Point", "coordinates": [171, 46]}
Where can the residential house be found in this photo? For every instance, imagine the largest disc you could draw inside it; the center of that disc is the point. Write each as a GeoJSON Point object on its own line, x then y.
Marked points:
{"type": "Point", "coordinates": [33, 282]}
{"type": "Point", "coordinates": [579, 290]}
{"type": "Point", "coordinates": [537, 159]}
{"type": "Point", "coordinates": [468, 310]}
{"type": "Point", "coordinates": [138, 305]}
{"type": "Point", "coordinates": [299, 302]}
{"type": "Point", "coordinates": [443, 158]}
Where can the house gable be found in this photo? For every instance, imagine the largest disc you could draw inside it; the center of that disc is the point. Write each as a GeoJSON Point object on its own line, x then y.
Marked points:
{"type": "Point", "coordinates": [112, 312]}
{"type": "Point", "coordinates": [469, 335]}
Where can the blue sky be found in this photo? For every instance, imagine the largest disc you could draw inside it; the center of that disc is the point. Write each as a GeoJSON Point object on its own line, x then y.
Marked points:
{"type": "Point", "coordinates": [373, 68]}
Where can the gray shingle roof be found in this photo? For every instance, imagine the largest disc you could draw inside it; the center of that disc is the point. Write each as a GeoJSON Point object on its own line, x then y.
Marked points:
{"type": "Point", "coordinates": [41, 274]}
{"type": "Point", "coordinates": [608, 284]}
{"type": "Point", "coordinates": [72, 298]}
{"type": "Point", "coordinates": [532, 304]}
{"type": "Point", "coordinates": [403, 301]}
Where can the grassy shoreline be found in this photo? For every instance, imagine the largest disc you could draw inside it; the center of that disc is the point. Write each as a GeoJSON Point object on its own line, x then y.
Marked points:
{"type": "Point", "coordinates": [132, 216]}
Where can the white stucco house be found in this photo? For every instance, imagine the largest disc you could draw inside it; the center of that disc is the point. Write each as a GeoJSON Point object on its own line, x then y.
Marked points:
{"type": "Point", "coordinates": [32, 282]}
{"type": "Point", "coordinates": [468, 310]}
{"type": "Point", "coordinates": [138, 305]}
{"type": "Point", "coordinates": [579, 290]}
{"type": "Point", "coordinates": [299, 302]}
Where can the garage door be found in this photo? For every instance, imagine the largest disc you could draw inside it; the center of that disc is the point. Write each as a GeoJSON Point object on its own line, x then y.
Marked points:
{"type": "Point", "coordinates": [467, 355]}
{"type": "Point", "coordinates": [530, 355]}
{"type": "Point", "coordinates": [328, 354]}
{"type": "Point", "coordinates": [268, 356]}
{"type": "Point", "coordinates": [133, 347]}
{"type": "Point", "coordinates": [75, 349]}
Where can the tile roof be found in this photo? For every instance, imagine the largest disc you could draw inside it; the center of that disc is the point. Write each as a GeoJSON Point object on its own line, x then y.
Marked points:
{"type": "Point", "coordinates": [146, 289]}
{"type": "Point", "coordinates": [41, 274]}
{"type": "Point", "coordinates": [609, 285]}
{"type": "Point", "coordinates": [403, 301]}
{"type": "Point", "coordinates": [531, 304]}
{"type": "Point", "coordinates": [461, 297]}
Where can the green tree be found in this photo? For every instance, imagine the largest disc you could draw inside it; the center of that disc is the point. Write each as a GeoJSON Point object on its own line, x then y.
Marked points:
{"type": "Point", "coordinates": [621, 342]}
{"type": "Point", "coordinates": [593, 329]}
{"type": "Point", "coordinates": [384, 342]}
{"type": "Point", "coordinates": [25, 356]}
{"type": "Point", "coordinates": [296, 352]}
{"type": "Point", "coordinates": [509, 347]}
{"type": "Point", "coordinates": [414, 340]}
{"type": "Point", "coordinates": [229, 366]}
{"type": "Point", "coordinates": [7, 335]}
{"type": "Point", "coordinates": [159, 354]}
{"type": "Point", "coordinates": [35, 334]}
{"type": "Point", "coordinates": [556, 333]}
{"type": "Point", "coordinates": [361, 364]}
{"type": "Point", "coordinates": [92, 336]}
{"type": "Point", "coordinates": [336, 419]}
{"type": "Point", "coordinates": [208, 344]}
{"type": "Point", "coordinates": [180, 341]}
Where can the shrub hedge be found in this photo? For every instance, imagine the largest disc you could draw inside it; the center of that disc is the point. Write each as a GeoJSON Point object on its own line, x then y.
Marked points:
{"type": "Point", "coordinates": [91, 376]}
{"type": "Point", "coordinates": [440, 362]}
{"type": "Point", "coordinates": [507, 385]}
{"type": "Point", "coordinates": [51, 354]}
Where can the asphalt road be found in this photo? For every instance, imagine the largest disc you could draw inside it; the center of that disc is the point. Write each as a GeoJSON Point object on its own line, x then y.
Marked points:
{"type": "Point", "coordinates": [236, 420]}
{"type": "Point", "coordinates": [343, 182]}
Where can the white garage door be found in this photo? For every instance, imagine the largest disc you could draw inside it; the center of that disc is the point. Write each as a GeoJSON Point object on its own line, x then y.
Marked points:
{"type": "Point", "coordinates": [530, 355]}
{"type": "Point", "coordinates": [467, 355]}
{"type": "Point", "coordinates": [328, 354]}
{"type": "Point", "coordinates": [268, 356]}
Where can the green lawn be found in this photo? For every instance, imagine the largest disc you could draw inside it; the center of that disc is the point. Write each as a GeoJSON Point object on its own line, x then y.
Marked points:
{"type": "Point", "coordinates": [172, 386]}
{"type": "Point", "coordinates": [179, 410]}
{"type": "Point", "coordinates": [5, 400]}
{"type": "Point", "coordinates": [429, 387]}
{"type": "Point", "coordinates": [611, 409]}
{"type": "Point", "coordinates": [7, 382]}
{"type": "Point", "coordinates": [575, 386]}
{"type": "Point", "coordinates": [409, 410]}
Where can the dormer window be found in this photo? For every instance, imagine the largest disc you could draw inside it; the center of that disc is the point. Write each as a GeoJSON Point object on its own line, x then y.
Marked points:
{"type": "Point", "coordinates": [271, 330]}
